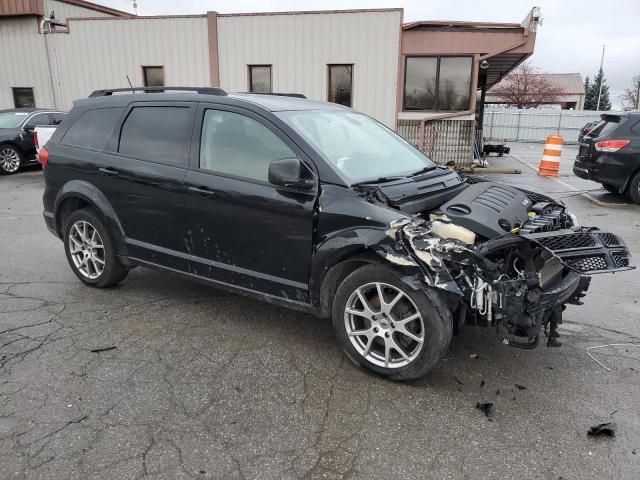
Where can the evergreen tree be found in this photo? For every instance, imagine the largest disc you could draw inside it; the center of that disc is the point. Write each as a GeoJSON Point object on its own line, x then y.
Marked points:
{"type": "Point", "coordinates": [591, 99]}
{"type": "Point", "coordinates": [587, 97]}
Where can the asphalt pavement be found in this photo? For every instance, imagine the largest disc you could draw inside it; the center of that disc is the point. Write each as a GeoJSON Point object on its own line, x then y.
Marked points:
{"type": "Point", "coordinates": [162, 378]}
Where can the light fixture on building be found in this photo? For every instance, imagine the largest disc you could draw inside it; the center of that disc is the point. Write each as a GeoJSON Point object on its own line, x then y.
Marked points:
{"type": "Point", "coordinates": [484, 64]}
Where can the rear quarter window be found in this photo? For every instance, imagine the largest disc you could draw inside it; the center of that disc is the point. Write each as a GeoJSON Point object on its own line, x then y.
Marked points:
{"type": "Point", "coordinates": [93, 128]}
{"type": "Point", "coordinates": [606, 127]}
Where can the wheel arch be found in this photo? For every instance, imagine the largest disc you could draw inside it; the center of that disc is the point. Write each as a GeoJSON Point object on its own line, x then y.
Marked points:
{"type": "Point", "coordinates": [77, 194]}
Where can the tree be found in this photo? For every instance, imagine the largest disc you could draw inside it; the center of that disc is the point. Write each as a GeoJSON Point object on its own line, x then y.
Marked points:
{"type": "Point", "coordinates": [631, 96]}
{"type": "Point", "coordinates": [526, 87]}
{"type": "Point", "coordinates": [591, 97]}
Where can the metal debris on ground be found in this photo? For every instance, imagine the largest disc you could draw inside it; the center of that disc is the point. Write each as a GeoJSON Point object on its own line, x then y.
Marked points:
{"type": "Point", "coordinates": [608, 429]}
{"type": "Point", "coordinates": [102, 349]}
{"type": "Point", "coordinates": [608, 345]}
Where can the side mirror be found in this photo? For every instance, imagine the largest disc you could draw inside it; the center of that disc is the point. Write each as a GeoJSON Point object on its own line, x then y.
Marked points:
{"type": "Point", "coordinates": [288, 173]}
{"type": "Point", "coordinates": [29, 129]}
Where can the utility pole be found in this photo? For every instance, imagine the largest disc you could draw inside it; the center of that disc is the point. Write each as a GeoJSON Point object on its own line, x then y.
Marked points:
{"type": "Point", "coordinates": [601, 79]}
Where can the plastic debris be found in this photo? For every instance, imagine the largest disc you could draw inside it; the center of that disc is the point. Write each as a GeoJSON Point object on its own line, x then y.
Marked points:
{"type": "Point", "coordinates": [608, 429]}
{"type": "Point", "coordinates": [488, 408]}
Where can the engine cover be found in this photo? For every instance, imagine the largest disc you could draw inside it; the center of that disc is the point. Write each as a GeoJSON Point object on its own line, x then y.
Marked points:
{"type": "Point", "coordinates": [488, 209]}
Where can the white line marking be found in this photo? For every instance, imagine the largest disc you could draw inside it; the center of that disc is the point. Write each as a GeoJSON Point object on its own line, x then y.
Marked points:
{"type": "Point", "coordinates": [571, 187]}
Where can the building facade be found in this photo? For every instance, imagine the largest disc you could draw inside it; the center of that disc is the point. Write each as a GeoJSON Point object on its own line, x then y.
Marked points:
{"type": "Point", "coordinates": [366, 59]}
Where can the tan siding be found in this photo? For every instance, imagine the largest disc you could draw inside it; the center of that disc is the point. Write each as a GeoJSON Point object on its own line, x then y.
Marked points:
{"type": "Point", "coordinates": [23, 54]}
{"type": "Point", "coordinates": [454, 42]}
{"type": "Point", "coordinates": [21, 7]}
{"type": "Point", "coordinates": [300, 46]}
{"type": "Point", "coordinates": [100, 54]}
{"type": "Point", "coordinates": [65, 10]}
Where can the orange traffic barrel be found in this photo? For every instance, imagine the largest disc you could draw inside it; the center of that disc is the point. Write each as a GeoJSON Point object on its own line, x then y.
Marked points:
{"type": "Point", "coordinates": [550, 163]}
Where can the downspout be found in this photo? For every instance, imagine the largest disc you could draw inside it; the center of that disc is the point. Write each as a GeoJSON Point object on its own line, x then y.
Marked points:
{"type": "Point", "coordinates": [43, 26]}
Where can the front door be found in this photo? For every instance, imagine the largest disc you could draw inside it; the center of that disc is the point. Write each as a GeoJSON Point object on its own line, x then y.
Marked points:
{"type": "Point", "coordinates": [245, 231]}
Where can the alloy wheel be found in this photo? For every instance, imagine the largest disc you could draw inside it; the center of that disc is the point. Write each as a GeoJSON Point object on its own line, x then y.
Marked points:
{"type": "Point", "coordinates": [87, 249]}
{"type": "Point", "coordinates": [384, 325]}
{"type": "Point", "coordinates": [9, 159]}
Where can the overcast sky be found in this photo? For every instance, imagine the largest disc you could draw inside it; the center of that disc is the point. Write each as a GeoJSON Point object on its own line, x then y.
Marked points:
{"type": "Point", "coordinates": [570, 39]}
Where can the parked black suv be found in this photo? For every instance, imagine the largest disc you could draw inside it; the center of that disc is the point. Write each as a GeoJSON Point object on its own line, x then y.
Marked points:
{"type": "Point", "coordinates": [319, 208]}
{"type": "Point", "coordinates": [610, 154]}
{"type": "Point", "coordinates": [17, 147]}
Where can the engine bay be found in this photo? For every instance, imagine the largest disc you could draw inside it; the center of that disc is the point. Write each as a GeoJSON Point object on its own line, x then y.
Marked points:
{"type": "Point", "coordinates": [505, 257]}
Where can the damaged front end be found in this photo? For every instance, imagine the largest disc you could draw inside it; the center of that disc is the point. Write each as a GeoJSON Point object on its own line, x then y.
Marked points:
{"type": "Point", "coordinates": [519, 281]}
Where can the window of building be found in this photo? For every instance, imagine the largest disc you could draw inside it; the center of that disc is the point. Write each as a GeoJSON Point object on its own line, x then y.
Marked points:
{"type": "Point", "coordinates": [166, 141]}
{"type": "Point", "coordinates": [237, 145]}
{"type": "Point", "coordinates": [153, 76]}
{"type": "Point", "coordinates": [92, 129]}
{"type": "Point", "coordinates": [260, 78]}
{"type": "Point", "coordinates": [340, 84]}
{"type": "Point", "coordinates": [437, 83]}
{"type": "Point", "coordinates": [23, 97]}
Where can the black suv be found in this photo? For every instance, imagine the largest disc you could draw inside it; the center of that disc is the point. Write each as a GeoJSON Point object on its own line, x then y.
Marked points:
{"type": "Point", "coordinates": [318, 208]}
{"type": "Point", "coordinates": [610, 154]}
{"type": "Point", "coordinates": [17, 147]}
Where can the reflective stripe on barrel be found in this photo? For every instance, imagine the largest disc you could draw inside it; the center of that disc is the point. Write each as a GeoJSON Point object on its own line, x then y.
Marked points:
{"type": "Point", "coordinates": [550, 163]}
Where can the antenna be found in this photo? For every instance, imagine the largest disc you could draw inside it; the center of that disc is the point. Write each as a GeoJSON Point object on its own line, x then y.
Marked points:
{"type": "Point", "coordinates": [130, 84]}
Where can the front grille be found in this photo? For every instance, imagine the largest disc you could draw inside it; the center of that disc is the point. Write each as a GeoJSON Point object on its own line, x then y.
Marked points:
{"type": "Point", "coordinates": [609, 239]}
{"type": "Point", "coordinates": [566, 242]}
{"type": "Point", "coordinates": [496, 198]}
{"type": "Point", "coordinates": [621, 259]}
{"type": "Point", "coordinates": [587, 264]}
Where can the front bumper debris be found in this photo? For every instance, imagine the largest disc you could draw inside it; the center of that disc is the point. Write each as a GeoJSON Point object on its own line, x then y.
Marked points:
{"type": "Point", "coordinates": [518, 283]}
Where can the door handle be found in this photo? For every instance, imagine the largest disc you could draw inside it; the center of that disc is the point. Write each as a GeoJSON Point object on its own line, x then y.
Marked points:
{"type": "Point", "coordinates": [202, 191]}
{"type": "Point", "coordinates": [109, 172]}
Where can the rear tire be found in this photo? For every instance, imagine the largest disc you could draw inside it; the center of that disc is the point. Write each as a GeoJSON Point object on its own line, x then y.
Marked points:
{"type": "Point", "coordinates": [90, 250]}
{"type": "Point", "coordinates": [11, 159]}
{"type": "Point", "coordinates": [402, 337]}
{"type": "Point", "coordinates": [634, 188]}
{"type": "Point", "coordinates": [611, 189]}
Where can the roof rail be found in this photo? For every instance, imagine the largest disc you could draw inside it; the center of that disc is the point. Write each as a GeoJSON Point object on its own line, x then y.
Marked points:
{"type": "Point", "coordinates": [277, 94]}
{"type": "Point", "coordinates": [202, 90]}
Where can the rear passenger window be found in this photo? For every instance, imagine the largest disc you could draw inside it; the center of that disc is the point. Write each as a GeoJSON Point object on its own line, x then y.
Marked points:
{"type": "Point", "coordinates": [92, 129]}
{"type": "Point", "coordinates": [157, 134]}
{"type": "Point", "coordinates": [241, 146]}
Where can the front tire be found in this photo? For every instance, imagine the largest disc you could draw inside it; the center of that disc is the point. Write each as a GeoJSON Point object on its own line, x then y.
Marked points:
{"type": "Point", "coordinates": [11, 159]}
{"type": "Point", "coordinates": [90, 250]}
{"type": "Point", "coordinates": [387, 327]}
{"type": "Point", "coordinates": [634, 188]}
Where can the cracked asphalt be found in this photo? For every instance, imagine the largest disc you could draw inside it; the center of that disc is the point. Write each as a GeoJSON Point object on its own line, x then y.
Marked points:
{"type": "Point", "coordinates": [193, 383]}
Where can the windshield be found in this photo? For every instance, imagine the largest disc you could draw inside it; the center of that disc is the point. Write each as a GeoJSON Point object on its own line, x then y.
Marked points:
{"type": "Point", "coordinates": [11, 119]}
{"type": "Point", "coordinates": [361, 148]}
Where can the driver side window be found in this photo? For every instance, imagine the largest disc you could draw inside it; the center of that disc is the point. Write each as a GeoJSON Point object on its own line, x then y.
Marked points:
{"type": "Point", "coordinates": [237, 145]}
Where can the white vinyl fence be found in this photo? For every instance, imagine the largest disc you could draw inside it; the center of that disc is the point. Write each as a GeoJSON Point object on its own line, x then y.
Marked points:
{"type": "Point", "coordinates": [535, 125]}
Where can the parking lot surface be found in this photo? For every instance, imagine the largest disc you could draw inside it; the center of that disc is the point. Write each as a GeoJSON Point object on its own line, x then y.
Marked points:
{"type": "Point", "coordinates": [163, 378]}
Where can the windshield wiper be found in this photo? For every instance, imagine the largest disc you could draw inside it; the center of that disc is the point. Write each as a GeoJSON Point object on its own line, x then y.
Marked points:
{"type": "Point", "coordinates": [377, 180]}
{"type": "Point", "coordinates": [423, 170]}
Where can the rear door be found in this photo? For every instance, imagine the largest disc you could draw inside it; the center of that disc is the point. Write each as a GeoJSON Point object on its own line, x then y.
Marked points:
{"type": "Point", "coordinates": [244, 230]}
{"type": "Point", "coordinates": [142, 174]}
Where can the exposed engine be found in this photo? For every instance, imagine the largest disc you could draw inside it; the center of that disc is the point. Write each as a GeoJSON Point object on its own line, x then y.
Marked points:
{"type": "Point", "coordinates": [509, 258]}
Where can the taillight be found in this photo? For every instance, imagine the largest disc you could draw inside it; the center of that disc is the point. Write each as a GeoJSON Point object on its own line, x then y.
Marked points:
{"type": "Point", "coordinates": [35, 138]}
{"type": "Point", "coordinates": [611, 145]}
{"type": "Point", "coordinates": [43, 157]}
